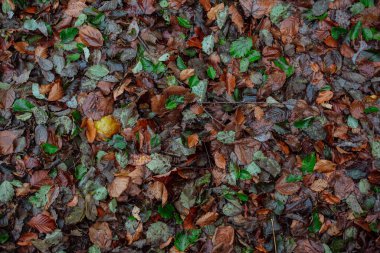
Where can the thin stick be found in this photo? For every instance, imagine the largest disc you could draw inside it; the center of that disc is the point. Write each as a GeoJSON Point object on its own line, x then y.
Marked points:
{"type": "Point", "coordinates": [274, 237]}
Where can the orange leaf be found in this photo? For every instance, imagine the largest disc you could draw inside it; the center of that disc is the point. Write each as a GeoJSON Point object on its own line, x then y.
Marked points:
{"type": "Point", "coordinates": [329, 41]}
{"type": "Point", "coordinates": [213, 12]}
{"type": "Point", "coordinates": [231, 83]}
{"type": "Point", "coordinates": [75, 8]}
{"type": "Point", "coordinates": [91, 36]}
{"type": "Point", "coordinates": [319, 185]}
{"type": "Point", "coordinates": [192, 140]}
{"type": "Point", "coordinates": [357, 109]}
{"type": "Point", "coordinates": [236, 18]}
{"type": "Point", "coordinates": [118, 186]}
{"type": "Point", "coordinates": [286, 188]}
{"type": "Point", "coordinates": [26, 239]}
{"type": "Point", "coordinates": [324, 96]}
{"type": "Point", "coordinates": [43, 223]}
{"type": "Point", "coordinates": [186, 73]}
{"type": "Point", "coordinates": [207, 219]}
{"type": "Point", "coordinates": [324, 166]}
{"type": "Point", "coordinates": [56, 92]}
{"type": "Point", "coordinates": [220, 161]}
{"type": "Point", "coordinates": [90, 130]}
{"type": "Point", "coordinates": [205, 4]}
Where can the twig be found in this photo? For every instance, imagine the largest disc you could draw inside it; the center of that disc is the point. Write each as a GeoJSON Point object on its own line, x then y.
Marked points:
{"type": "Point", "coordinates": [220, 123]}
{"type": "Point", "coordinates": [274, 237]}
{"type": "Point", "coordinates": [208, 155]}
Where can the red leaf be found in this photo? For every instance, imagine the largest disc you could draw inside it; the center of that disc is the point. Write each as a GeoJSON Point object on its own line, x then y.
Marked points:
{"type": "Point", "coordinates": [43, 223]}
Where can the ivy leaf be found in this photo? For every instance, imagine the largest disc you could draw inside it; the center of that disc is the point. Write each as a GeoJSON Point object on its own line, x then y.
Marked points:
{"type": "Point", "coordinates": [243, 197]}
{"type": "Point", "coordinates": [80, 171]}
{"type": "Point", "coordinates": [184, 22]}
{"type": "Point", "coordinates": [308, 163]}
{"type": "Point", "coordinates": [68, 34]}
{"type": "Point", "coordinates": [244, 175]}
{"type": "Point", "coordinates": [336, 32]}
{"type": "Point", "coordinates": [184, 239]}
{"type": "Point", "coordinates": [371, 109]}
{"type": "Point", "coordinates": [159, 68]}
{"type": "Point", "coordinates": [193, 81]}
{"type": "Point", "coordinates": [316, 224]}
{"type": "Point", "coordinates": [166, 211]}
{"type": "Point", "coordinates": [22, 105]}
{"type": "Point", "coordinates": [284, 66]}
{"type": "Point", "coordinates": [293, 178]}
{"type": "Point", "coordinates": [181, 64]}
{"type": "Point", "coordinates": [304, 123]}
{"type": "Point", "coordinates": [253, 56]}
{"type": "Point", "coordinates": [118, 142]}
{"type": "Point", "coordinates": [6, 191]}
{"type": "Point", "coordinates": [173, 101]}
{"type": "Point", "coordinates": [49, 149]}
{"type": "Point", "coordinates": [355, 32]}
{"type": "Point", "coordinates": [241, 47]}
{"type": "Point", "coordinates": [211, 72]}
{"type": "Point", "coordinates": [147, 65]}
{"type": "Point", "coordinates": [155, 141]}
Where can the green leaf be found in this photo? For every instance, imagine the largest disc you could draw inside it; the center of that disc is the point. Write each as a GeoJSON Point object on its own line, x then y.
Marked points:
{"type": "Point", "coordinates": [308, 163]}
{"type": "Point", "coordinates": [316, 224]}
{"type": "Point", "coordinates": [166, 211]}
{"type": "Point", "coordinates": [337, 32]}
{"type": "Point", "coordinates": [208, 44]}
{"type": "Point", "coordinates": [159, 68]}
{"type": "Point", "coordinates": [243, 197]}
{"type": "Point", "coordinates": [80, 171]}
{"type": "Point", "coordinates": [304, 123]}
{"type": "Point", "coordinates": [355, 32]}
{"type": "Point", "coordinates": [244, 64]}
{"type": "Point", "coordinates": [147, 65]}
{"type": "Point", "coordinates": [352, 122]}
{"type": "Point", "coordinates": [181, 64]}
{"type": "Point", "coordinates": [184, 239]}
{"type": "Point", "coordinates": [31, 25]}
{"type": "Point", "coordinates": [100, 193]}
{"type": "Point", "coordinates": [309, 16]}
{"type": "Point", "coordinates": [22, 105]}
{"type": "Point", "coordinates": [371, 109]}
{"type": "Point", "coordinates": [97, 71]}
{"type": "Point", "coordinates": [368, 33]}
{"type": "Point", "coordinates": [184, 22]}
{"type": "Point", "coordinates": [283, 65]}
{"type": "Point", "coordinates": [253, 56]}
{"type": "Point", "coordinates": [291, 178]}
{"type": "Point", "coordinates": [39, 199]}
{"type": "Point", "coordinates": [356, 8]}
{"type": "Point", "coordinates": [193, 81]}
{"type": "Point", "coordinates": [226, 137]}
{"type": "Point", "coordinates": [68, 34]}
{"type": "Point", "coordinates": [155, 141]}
{"type": "Point", "coordinates": [80, 21]}
{"type": "Point", "coordinates": [118, 142]}
{"type": "Point", "coordinates": [49, 149]}
{"type": "Point", "coordinates": [94, 249]}
{"type": "Point", "coordinates": [4, 236]}
{"type": "Point", "coordinates": [173, 101]}
{"type": "Point", "coordinates": [368, 3]}
{"type": "Point", "coordinates": [6, 191]}
{"type": "Point", "coordinates": [245, 175]}
{"type": "Point", "coordinates": [73, 57]}
{"type": "Point", "coordinates": [112, 205]}
{"type": "Point", "coordinates": [211, 72]}
{"type": "Point", "coordinates": [241, 47]}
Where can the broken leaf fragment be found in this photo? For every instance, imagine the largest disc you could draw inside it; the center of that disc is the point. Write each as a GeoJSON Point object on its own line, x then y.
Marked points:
{"type": "Point", "coordinates": [106, 127]}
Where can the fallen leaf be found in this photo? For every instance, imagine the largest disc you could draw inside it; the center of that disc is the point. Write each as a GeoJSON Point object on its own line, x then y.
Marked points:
{"type": "Point", "coordinates": [319, 185]}
{"type": "Point", "coordinates": [186, 74]}
{"type": "Point", "coordinates": [101, 235]}
{"type": "Point", "coordinates": [324, 96]}
{"type": "Point", "coordinates": [43, 223]}
{"type": "Point", "coordinates": [7, 140]}
{"type": "Point", "coordinates": [231, 83]}
{"type": "Point", "coordinates": [205, 4]}
{"type": "Point", "coordinates": [192, 140]}
{"type": "Point", "coordinates": [56, 91]}
{"type": "Point", "coordinates": [236, 18]}
{"type": "Point", "coordinates": [357, 109]}
{"type": "Point", "coordinates": [118, 186]}
{"type": "Point", "coordinates": [324, 166]}
{"type": "Point", "coordinates": [75, 7]}
{"type": "Point", "coordinates": [91, 36]}
{"type": "Point", "coordinates": [213, 12]}
{"type": "Point", "coordinates": [223, 239]}
{"type": "Point", "coordinates": [220, 161]}
{"type": "Point", "coordinates": [207, 219]}
{"type": "Point", "coordinates": [286, 188]}
{"type": "Point", "coordinates": [90, 130]}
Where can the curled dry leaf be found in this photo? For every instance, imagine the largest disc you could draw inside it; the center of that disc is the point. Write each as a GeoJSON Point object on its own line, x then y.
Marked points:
{"type": "Point", "coordinates": [213, 12]}
{"type": "Point", "coordinates": [139, 159]}
{"type": "Point", "coordinates": [257, 8]}
{"type": "Point", "coordinates": [286, 188]}
{"type": "Point", "coordinates": [319, 185]}
{"type": "Point", "coordinates": [7, 140]}
{"type": "Point", "coordinates": [26, 239]}
{"type": "Point", "coordinates": [44, 223]}
{"type": "Point", "coordinates": [207, 219]}
{"type": "Point", "coordinates": [192, 140]}
{"type": "Point", "coordinates": [357, 109]}
{"type": "Point", "coordinates": [324, 96]}
{"type": "Point", "coordinates": [223, 239]}
{"type": "Point", "coordinates": [75, 7]}
{"type": "Point", "coordinates": [91, 36]}
{"type": "Point", "coordinates": [205, 4]}
{"type": "Point", "coordinates": [236, 18]}
{"type": "Point", "coordinates": [186, 74]}
{"type": "Point", "coordinates": [158, 191]}
{"type": "Point", "coordinates": [220, 161]}
{"type": "Point", "coordinates": [95, 105]}
{"type": "Point", "coordinates": [56, 91]}
{"type": "Point", "coordinates": [324, 166]}
{"type": "Point", "coordinates": [90, 130]}
{"type": "Point", "coordinates": [107, 126]}
{"type": "Point", "coordinates": [101, 235]}
{"type": "Point", "coordinates": [289, 29]}
{"type": "Point", "coordinates": [231, 83]}
{"type": "Point", "coordinates": [118, 186]}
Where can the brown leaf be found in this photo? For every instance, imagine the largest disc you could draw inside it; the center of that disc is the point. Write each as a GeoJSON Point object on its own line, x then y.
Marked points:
{"type": "Point", "coordinates": [276, 80]}
{"type": "Point", "coordinates": [186, 74]}
{"type": "Point", "coordinates": [324, 96]}
{"type": "Point", "coordinates": [220, 161]}
{"type": "Point", "coordinates": [40, 178]}
{"type": "Point", "coordinates": [192, 140]}
{"type": "Point", "coordinates": [324, 166]}
{"type": "Point", "coordinates": [331, 42]}
{"type": "Point", "coordinates": [231, 83]}
{"type": "Point", "coordinates": [75, 7]}
{"type": "Point", "coordinates": [95, 105]}
{"type": "Point", "coordinates": [357, 109]}
{"type": "Point", "coordinates": [100, 234]}
{"type": "Point", "coordinates": [207, 219]}
{"type": "Point", "coordinates": [205, 4]}
{"type": "Point", "coordinates": [308, 246]}
{"type": "Point", "coordinates": [213, 12]}
{"type": "Point", "coordinates": [7, 98]}
{"type": "Point", "coordinates": [139, 159]}
{"type": "Point", "coordinates": [289, 29]}
{"type": "Point", "coordinates": [158, 191]}
{"type": "Point", "coordinates": [7, 139]}
{"type": "Point", "coordinates": [236, 18]}
{"type": "Point", "coordinates": [286, 188]}
{"type": "Point", "coordinates": [43, 223]}
{"type": "Point", "coordinates": [319, 185]}
{"type": "Point", "coordinates": [56, 91]}
{"type": "Point", "coordinates": [330, 198]}
{"type": "Point", "coordinates": [223, 239]}
{"type": "Point", "coordinates": [257, 8]}
{"type": "Point", "coordinates": [91, 36]}
{"type": "Point", "coordinates": [90, 130]}
{"type": "Point", "coordinates": [118, 186]}
{"type": "Point", "coordinates": [26, 239]}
